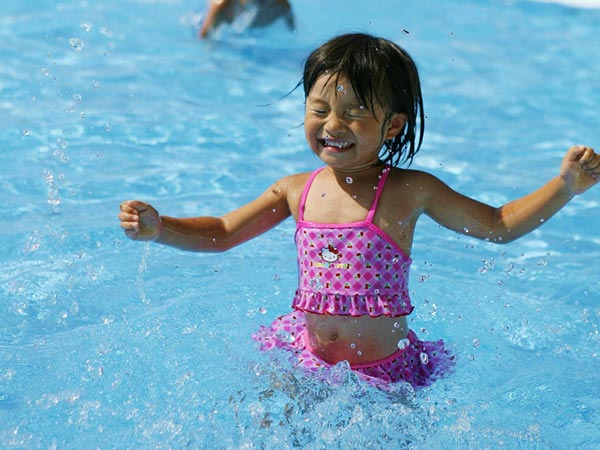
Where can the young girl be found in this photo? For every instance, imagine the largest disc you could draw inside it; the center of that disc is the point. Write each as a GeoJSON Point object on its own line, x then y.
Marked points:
{"type": "Point", "coordinates": [356, 215]}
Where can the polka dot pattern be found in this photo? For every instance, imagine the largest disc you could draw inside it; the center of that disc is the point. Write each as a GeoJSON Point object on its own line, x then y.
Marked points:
{"type": "Point", "coordinates": [352, 269]}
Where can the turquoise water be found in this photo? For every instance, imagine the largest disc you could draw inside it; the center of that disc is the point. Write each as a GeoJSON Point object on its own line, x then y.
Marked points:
{"type": "Point", "coordinates": [108, 343]}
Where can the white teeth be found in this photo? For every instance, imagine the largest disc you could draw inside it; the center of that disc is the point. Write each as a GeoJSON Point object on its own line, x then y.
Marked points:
{"type": "Point", "coordinates": [337, 144]}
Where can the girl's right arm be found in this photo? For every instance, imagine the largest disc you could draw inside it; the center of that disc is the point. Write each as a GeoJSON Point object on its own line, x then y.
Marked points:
{"type": "Point", "coordinates": [141, 221]}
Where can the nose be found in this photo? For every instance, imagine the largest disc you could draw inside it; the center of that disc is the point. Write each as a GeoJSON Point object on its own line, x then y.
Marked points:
{"type": "Point", "coordinates": [335, 125]}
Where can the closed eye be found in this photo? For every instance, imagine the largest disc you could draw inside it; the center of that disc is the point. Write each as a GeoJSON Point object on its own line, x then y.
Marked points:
{"type": "Point", "coordinates": [357, 112]}
{"type": "Point", "coordinates": [317, 106]}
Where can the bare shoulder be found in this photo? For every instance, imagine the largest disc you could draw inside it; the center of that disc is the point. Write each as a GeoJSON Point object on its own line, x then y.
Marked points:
{"type": "Point", "coordinates": [293, 182]}
{"type": "Point", "coordinates": [291, 188]}
{"type": "Point", "coordinates": [410, 179]}
{"type": "Point", "coordinates": [415, 187]}
{"type": "Point", "coordinates": [290, 185]}
{"type": "Point", "coordinates": [397, 173]}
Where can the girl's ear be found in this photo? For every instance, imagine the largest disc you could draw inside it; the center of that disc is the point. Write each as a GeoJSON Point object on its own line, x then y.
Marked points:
{"type": "Point", "coordinates": [396, 125]}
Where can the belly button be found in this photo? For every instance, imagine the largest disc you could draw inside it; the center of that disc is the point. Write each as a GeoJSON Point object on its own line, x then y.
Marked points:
{"type": "Point", "coordinates": [333, 338]}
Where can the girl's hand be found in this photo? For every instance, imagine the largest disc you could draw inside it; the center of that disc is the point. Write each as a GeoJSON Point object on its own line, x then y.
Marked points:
{"type": "Point", "coordinates": [140, 221]}
{"type": "Point", "coordinates": [580, 168]}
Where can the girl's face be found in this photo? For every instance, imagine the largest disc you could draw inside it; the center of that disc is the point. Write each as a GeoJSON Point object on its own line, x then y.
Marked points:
{"type": "Point", "coordinates": [341, 131]}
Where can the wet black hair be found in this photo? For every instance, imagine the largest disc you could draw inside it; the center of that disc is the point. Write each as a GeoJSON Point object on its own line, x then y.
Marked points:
{"type": "Point", "coordinates": [380, 72]}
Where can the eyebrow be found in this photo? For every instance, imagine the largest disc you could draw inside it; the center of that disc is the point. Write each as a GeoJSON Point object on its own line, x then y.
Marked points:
{"type": "Point", "coordinates": [352, 102]}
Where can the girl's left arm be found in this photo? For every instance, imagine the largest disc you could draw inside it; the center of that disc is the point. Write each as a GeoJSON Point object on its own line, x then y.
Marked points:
{"type": "Point", "coordinates": [580, 170]}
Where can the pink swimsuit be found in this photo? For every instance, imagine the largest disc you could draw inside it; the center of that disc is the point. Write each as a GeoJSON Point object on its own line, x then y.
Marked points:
{"type": "Point", "coordinates": [353, 269]}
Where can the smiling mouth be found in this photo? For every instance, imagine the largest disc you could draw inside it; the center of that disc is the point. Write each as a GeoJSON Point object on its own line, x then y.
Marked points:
{"type": "Point", "coordinates": [337, 144]}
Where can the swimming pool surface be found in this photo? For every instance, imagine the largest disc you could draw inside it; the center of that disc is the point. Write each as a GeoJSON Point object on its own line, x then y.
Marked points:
{"type": "Point", "coordinates": [108, 343]}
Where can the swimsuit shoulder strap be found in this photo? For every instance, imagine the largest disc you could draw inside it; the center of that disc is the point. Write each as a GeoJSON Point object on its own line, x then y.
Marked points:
{"type": "Point", "coordinates": [305, 192]}
{"type": "Point", "coordinates": [382, 179]}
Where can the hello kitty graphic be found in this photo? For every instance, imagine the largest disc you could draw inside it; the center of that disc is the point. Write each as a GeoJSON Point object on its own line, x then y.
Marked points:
{"type": "Point", "coordinates": [330, 254]}
{"type": "Point", "coordinates": [330, 259]}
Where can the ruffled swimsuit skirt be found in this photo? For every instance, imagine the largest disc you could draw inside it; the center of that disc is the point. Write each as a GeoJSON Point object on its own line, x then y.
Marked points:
{"type": "Point", "coordinates": [416, 362]}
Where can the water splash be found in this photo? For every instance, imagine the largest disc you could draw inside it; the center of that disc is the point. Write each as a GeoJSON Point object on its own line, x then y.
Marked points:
{"type": "Point", "coordinates": [282, 411]}
{"type": "Point", "coordinates": [53, 197]}
{"type": "Point", "coordinates": [143, 266]}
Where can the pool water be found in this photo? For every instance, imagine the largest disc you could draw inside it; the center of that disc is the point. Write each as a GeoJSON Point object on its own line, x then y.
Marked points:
{"type": "Point", "coordinates": [109, 343]}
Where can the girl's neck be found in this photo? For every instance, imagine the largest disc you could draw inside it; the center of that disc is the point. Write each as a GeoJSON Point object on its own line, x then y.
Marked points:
{"type": "Point", "coordinates": [358, 173]}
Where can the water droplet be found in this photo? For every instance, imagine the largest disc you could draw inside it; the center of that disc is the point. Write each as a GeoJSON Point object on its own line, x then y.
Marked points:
{"type": "Point", "coordinates": [86, 26]}
{"type": "Point", "coordinates": [353, 345]}
{"type": "Point", "coordinates": [396, 325]}
{"type": "Point", "coordinates": [359, 353]}
{"type": "Point", "coordinates": [340, 88]}
{"type": "Point", "coordinates": [424, 358]}
{"type": "Point", "coordinates": [106, 31]}
{"type": "Point", "coordinates": [285, 336]}
{"type": "Point", "coordinates": [77, 97]}
{"type": "Point", "coordinates": [25, 132]}
{"type": "Point", "coordinates": [349, 180]}
{"type": "Point", "coordinates": [76, 44]}
{"type": "Point", "coordinates": [403, 343]}
{"type": "Point", "coordinates": [316, 284]}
